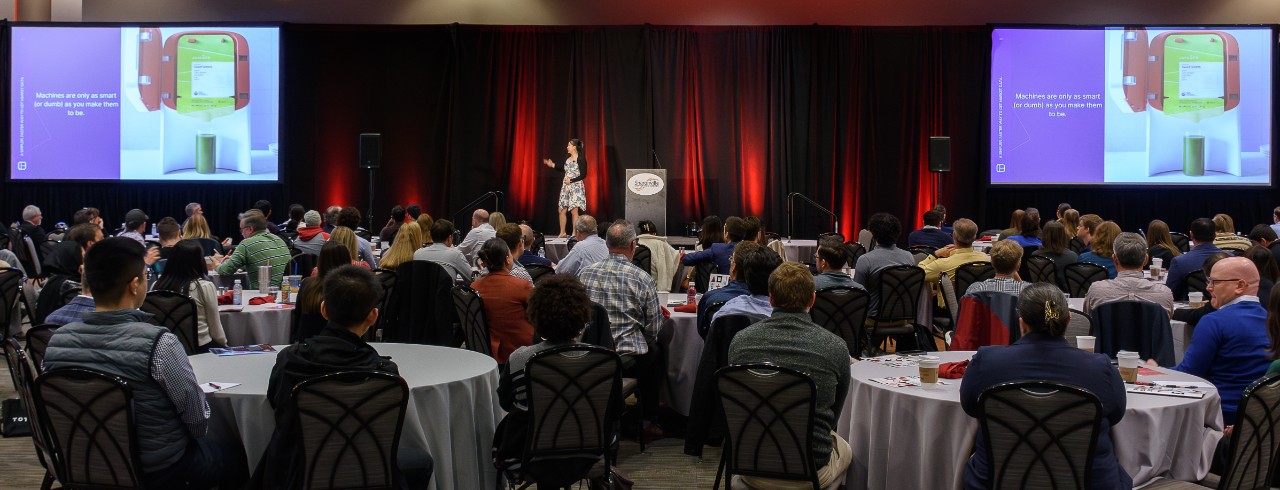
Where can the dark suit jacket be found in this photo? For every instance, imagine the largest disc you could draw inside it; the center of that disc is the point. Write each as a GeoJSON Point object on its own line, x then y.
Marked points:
{"type": "Point", "coordinates": [1037, 356]}
{"type": "Point", "coordinates": [1184, 264]}
{"type": "Point", "coordinates": [718, 253]}
{"type": "Point", "coordinates": [932, 237]}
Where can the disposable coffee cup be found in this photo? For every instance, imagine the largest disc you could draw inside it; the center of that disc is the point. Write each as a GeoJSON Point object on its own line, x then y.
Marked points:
{"type": "Point", "coordinates": [1196, 299]}
{"type": "Point", "coordinates": [1128, 366]}
{"type": "Point", "coordinates": [1157, 263]}
{"type": "Point", "coordinates": [1085, 342]}
{"type": "Point", "coordinates": [929, 372]}
{"type": "Point", "coordinates": [1155, 272]}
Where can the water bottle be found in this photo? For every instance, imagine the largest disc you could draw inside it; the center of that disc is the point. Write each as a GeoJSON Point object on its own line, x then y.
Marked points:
{"type": "Point", "coordinates": [154, 232]}
{"type": "Point", "coordinates": [693, 295]}
{"type": "Point", "coordinates": [237, 293]}
{"type": "Point", "coordinates": [542, 252]}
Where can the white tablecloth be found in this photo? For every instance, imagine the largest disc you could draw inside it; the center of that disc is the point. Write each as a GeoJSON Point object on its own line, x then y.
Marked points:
{"type": "Point", "coordinates": [453, 407]}
{"type": "Point", "coordinates": [256, 324]}
{"type": "Point", "coordinates": [799, 250]}
{"type": "Point", "coordinates": [888, 429]}
{"type": "Point", "coordinates": [683, 354]}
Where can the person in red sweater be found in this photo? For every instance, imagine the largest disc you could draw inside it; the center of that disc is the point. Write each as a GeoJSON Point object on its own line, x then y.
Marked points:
{"type": "Point", "coordinates": [505, 299]}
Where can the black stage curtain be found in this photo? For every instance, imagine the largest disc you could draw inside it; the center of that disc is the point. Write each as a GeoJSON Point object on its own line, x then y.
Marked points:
{"type": "Point", "coordinates": [739, 116]}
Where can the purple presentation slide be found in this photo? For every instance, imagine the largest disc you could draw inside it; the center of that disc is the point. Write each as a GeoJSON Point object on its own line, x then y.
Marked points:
{"type": "Point", "coordinates": [1130, 106]}
{"type": "Point", "coordinates": [190, 103]}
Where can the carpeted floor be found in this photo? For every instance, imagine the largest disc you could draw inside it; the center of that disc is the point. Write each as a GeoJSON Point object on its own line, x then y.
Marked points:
{"type": "Point", "coordinates": [663, 466]}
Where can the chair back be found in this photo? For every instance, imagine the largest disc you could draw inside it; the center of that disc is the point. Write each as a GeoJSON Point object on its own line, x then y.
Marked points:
{"type": "Point", "coordinates": [1076, 245]}
{"type": "Point", "coordinates": [842, 311]}
{"type": "Point", "coordinates": [900, 288]}
{"type": "Point", "coordinates": [1181, 241]}
{"type": "Point", "coordinates": [1080, 275]}
{"type": "Point", "coordinates": [643, 259]}
{"type": "Point", "coordinates": [24, 371]}
{"type": "Point", "coordinates": [470, 310]}
{"type": "Point", "coordinates": [972, 272]}
{"type": "Point", "coordinates": [1030, 249]}
{"type": "Point", "coordinates": [349, 429]}
{"type": "Point", "coordinates": [27, 255]}
{"type": "Point", "coordinates": [855, 251]}
{"type": "Point", "coordinates": [10, 291]}
{"type": "Point", "coordinates": [386, 309]}
{"type": "Point", "coordinates": [1081, 324]}
{"type": "Point", "coordinates": [949, 295]}
{"type": "Point", "coordinates": [1255, 440]}
{"type": "Point", "coordinates": [38, 341]}
{"type": "Point", "coordinates": [301, 264]}
{"type": "Point", "coordinates": [538, 271]}
{"type": "Point", "coordinates": [91, 431]}
{"type": "Point", "coordinates": [1039, 434]}
{"type": "Point", "coordinates": [423, 306]}
{"type": "Point", "coordinates": [1197, 282]}
{"type": "Point", "coordinates": [986, 318]}
{"type": "Point", "coordinates": [177, 313]}
{"type": "Point", "coordinates": [539, 242]}
{"type": "Point", "coordinates": [922, 249]}
{"type": "Point", "coordinates": [1140, 326]}
{"type": "Point", "coordinates": [702, 275]}
{"type": "Point", "coordinates": [1038, 268]}
{"type": "Point", "coordinates": [568, 244]}
{"type": "Point", "coordinates": [598, 332]}
{"type": "Point", "coordinates": [769, 411]}
{"type": "Point", "coordinates": [573, 394]}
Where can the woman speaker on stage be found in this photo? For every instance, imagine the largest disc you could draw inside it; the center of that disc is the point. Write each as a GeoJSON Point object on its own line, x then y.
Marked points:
{"type": "Point", "coordinates": [573, 193]}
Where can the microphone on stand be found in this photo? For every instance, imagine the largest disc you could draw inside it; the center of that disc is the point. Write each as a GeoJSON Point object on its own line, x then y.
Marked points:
{"type": "Point", "coordinates": [655, 157]}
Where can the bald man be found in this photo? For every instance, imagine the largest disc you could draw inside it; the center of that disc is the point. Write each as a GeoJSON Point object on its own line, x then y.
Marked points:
{"type": "Point", "coordinates": [481, 231]}
{"type": "Point", "coordinates": [530, 256]}
{"type": "Point", "coordinates": [1229, 346]}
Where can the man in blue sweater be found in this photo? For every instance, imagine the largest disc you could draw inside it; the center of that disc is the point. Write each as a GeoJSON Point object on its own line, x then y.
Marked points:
{"type": "Point", "coordinates": [734, 231]}
{"type": "Point", "coordinates": [1229, 346]}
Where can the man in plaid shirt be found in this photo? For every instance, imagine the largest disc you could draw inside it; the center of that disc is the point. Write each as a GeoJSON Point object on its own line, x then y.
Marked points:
{"type": "Point", "coordinates": [631, 298]}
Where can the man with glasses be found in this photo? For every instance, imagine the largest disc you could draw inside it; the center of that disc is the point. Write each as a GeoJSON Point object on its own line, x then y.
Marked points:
{"type": "Point", "coordinates": [259, 248]}
{"type": "Point", "coordinates": [1229, 347]}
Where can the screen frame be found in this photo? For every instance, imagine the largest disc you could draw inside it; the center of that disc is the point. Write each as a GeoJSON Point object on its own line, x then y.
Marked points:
{"type": "Point", "coordinates": [987, 115]}
{"type": "Point", "coordinates": [7, 102]}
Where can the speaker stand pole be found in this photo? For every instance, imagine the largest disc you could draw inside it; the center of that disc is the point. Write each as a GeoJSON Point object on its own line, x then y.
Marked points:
{"type": "Point", "coordinates": [937, 188]}
{"type": "Point", "coordinates": [370, 201]}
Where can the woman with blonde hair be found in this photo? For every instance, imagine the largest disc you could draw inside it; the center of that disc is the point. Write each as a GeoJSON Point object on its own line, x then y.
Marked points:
{"type": "Point", "coordinates": [424, 226]}
{"type": "Point", "coordinates": [347, 238]}
{"type": "Point", "coordinates": [197, 229]}
{"type": "Point", "coordinates": [1160, 242]}
{"type": "Point", "coordinates": [1103, 237]}
{"type": "Point", "coordinates": [1225, 237]}
{"type": "Point", "coordinates": [1070, 221]}
{"type": "Point", "coordinates": [497, 219]}
{"type": "Point", "coordinates": [407, 241]}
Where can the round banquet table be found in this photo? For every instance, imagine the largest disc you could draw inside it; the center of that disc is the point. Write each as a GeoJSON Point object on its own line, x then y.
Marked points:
{"type": "Point", "coordinates": [452, 413]}
{"type": "Point", "coordinates": [256, 324]}
{"type": "Point", "coordinates": [683, 354]}
{"type": "Point", "coordinates": [891, 430]}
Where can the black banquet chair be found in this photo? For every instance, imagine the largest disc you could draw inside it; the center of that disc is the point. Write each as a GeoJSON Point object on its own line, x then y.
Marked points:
{"type": "Point", "coordinates": [643, 259]}
{"type": "Point", "coordinates": [38, 341]}
{"type": "Point", "coordinates": [538, 271]}
{"type": "Point", "coordinates": [1038, 268]}
{"type": "Point", "coordinates": [769, 412]}
{"type": "Point", "coordinates": [92, 435]}
{"type": "Point", "coordinates": [843, 311]}
{"type": "Point", "coordinates": [972, 272]}
{"type": "Point", "coordinates": [702, 275]}
{"type": "Point", "coordinates": [1040, 434]}
{"type": "Point", "coordinates": [1197, 282]}
{"type": "Point", "coordinates": [24, 371]}
{"type": "Point", "coordinates": [10, 293]}
{"type": "Point", "coordinates": [470, 310]}
{"type": "Point", "coordinates": [900, 289]}
{"type": "Point", "coordinates": [177, 313]}
{"type": "Point", "coordinates": [1079, 276]}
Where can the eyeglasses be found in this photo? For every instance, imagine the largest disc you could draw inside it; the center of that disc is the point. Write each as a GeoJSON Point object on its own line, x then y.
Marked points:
{"type": "Point", "coordinates": [1212, 280]}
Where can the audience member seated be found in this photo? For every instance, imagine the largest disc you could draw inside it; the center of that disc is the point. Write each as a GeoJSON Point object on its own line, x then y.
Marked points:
{"type": "Point", "coordinates": [711, 232]}
{"type": "Point", "coordinates": [1193, 316]}
{"type": "Point", "coordinates": [737, 285]}
{"type": "Point", "coordinates": [1044, 354]}
{"type": "Point", "coordinates": [1160, 243]}
{"type": "Point", "coordinates": [947, 259]}
{"type": "Point", "coordinates": [788, 338]}
{"type": "Point", "coordinates": [1225, 236]}
{"type": "Point", "coordinates": [296, 212]}
{"type": "Point", "coordinates": [185, 274]}
{"type": "Point", "coordinates": [30, 226]}
{"type": "Point", "coordinates": [1100, 251]}
{"type": "Point", "coordinates": [170, 412]}
{"type": "Point", "coordinates": [442, 251]}
{"type": "Point", "coordinates": [350, 305]}
{"type": "Point", "coordinates": [1084, 232]}
{"type": "Point", "coordinates": [1015, 225]}
{"type": "Point", "coordinates": [388, 233]}
{"type": "Point", "coordinates": [350, 217]}
{"type": "Point", "coordinates": [1006, 258]}
{"type": "Point", "coordinates": [1201, 247]}
{"type": "Point", "coordinates": [331, 214]}
{"type": "Point", "coordinates": [1129, 251]}
{"type": "Point", "coordinates": [930, 235]}
{"type": "Point", "coordinates": [192, 209]}
{"type": "Point", "coordinates": [589, 249]}
{"type": "Point", "coordinates": [402, 251]}
{"type": "Point", "coordinates": [558, 309]}
{"type": "Point", "coordinates": [505, 300]}
{"type": "Point", "coordinates": [510, 234]}
{"type": "Point", "coordinates": [635, 315]}
{"type": "Point", "coordinates": [264, 206]}
{"type": "Point", "coordinates": [1029, 230]}
{"type": "Point", "coordinates": [413, 211]}
{"type": "Point", "coordinates": [756, 233]}
{"type": "Point", "coordinates": [1055, 240]}
{"type": "Point", "coordinates": [135, 226]}
{"type": "Point", "coordinates": [1264, 236]}
{"type": "Point", "coordinates": [169, 234]}
{"type": "Point", "coordinates": [424, 223]}
{"type": "Point", "coordinates": [259, 248]}
{"type": "Point", "coordinates": [664, 261]}
{"type": "Point", "coordinates": [1229, 346]}
{"type": "Point", "coordinates": [530, 256]}
{"type": "Point", "coordinates": [347, 237]}
{"type": "Point", "coordinates": [831, 259]}
{"type": "Point", "coordinates": [196, 228]}
{"type": "Point", "coordinates": [1268, 270]}
{"type": "Point", "coordinates": [311, 292]}
{"type": "Point", "coordinates": [1070, 222]}
{"type": "Point", "coordinates": [480, 232]}
{"type": "Point", "coordinates": [757, 265]}
{"type": "Point", "coordinates": [884, 228]}
{"type": "Point", "coordinates": [74, 310]}
{"type": "Point", "coordinates": [734, 231]}
{"type": "Point", "coordinates": [62, 266]}
{"type": "Point", "coordinates": [311, 236]}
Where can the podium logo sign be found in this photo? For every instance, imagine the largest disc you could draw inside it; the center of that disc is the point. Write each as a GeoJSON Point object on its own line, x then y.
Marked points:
{"type": "Point", "coordinates": [645, 184]}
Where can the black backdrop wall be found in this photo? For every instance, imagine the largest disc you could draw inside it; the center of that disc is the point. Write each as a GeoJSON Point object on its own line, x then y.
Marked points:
{"type": "Point", "coordinates": [740, 117]}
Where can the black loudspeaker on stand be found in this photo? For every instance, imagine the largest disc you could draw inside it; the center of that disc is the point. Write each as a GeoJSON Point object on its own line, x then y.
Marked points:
{"type": "Point", "coordinates": [939, 161]}
{"type": "Point", "coordinates": [370, 159]}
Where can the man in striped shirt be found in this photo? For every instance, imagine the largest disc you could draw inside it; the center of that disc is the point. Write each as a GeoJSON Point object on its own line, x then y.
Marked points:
{"type": "Point", "coordinates": [1006, 258]}
{"type": "Point", "coordinates": [259, 248]}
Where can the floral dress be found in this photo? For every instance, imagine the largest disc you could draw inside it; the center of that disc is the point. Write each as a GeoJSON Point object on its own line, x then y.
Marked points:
{"type": "Point", "coordinates": [573, 194]}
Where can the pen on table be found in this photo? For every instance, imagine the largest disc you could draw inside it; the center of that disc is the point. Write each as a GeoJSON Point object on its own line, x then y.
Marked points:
{"type": "Point", "coordinates": [214, 386]}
